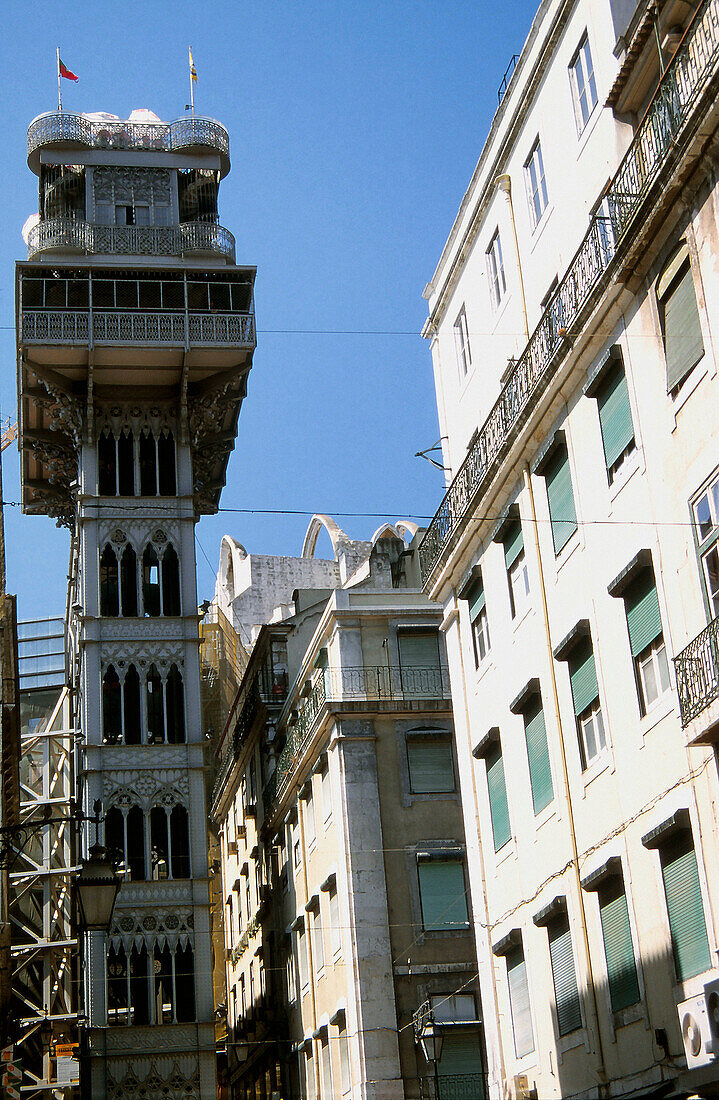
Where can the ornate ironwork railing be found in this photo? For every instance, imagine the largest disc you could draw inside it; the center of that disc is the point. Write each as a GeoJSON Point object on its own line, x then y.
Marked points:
{"type": "Point", "coordinates": [365, 683]}
{"type": "Point", "coordinates": [62, 127]}
{"type": "Point", "coordinates": [680, 90]}
{"type": "Point", "coordinates": [455, 1086]}
{"type": "Point", "coordinates": [697, 671]}
{"type": "Point", "coordinates": [130, 240]}
{"type": "Point", "coordinates": [48, 326]}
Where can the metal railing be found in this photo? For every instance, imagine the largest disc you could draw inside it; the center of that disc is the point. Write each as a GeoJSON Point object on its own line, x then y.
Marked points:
{"type": "Point", "coordinates": [697, 672]}
{"type": "Point", "coordinates": [674, 104]}
{"type": "Point", "coordinates": [366, 683]}
{"type": "Point", "coordinates": [130, 240]}
{"type": "Point", "coordinates": [90, 326]}
{"type": "Point", "coordinates": [62, 127]}
{"type": "Point", "coordinates": [455, 1086]}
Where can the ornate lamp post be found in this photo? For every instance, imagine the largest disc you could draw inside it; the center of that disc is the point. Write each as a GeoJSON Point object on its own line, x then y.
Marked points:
{"type": "Point", "coordinates": [430, 1038]}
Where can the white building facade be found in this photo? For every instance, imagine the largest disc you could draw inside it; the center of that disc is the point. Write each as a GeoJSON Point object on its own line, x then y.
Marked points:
{"type": "Point", "coordinates": [135, 336]}
{"type": "Point", "coordinates": [574, 554]}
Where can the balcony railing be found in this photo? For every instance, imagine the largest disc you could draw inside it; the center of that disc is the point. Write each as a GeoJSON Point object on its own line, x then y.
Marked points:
{"type": "Point", "coordinates": [365, 683]}
{"type": "Point", "coordinates": [63, 128]}
{"type": "Point", "coordinates": [667, 119]}
{"type": "Point", "coordinates": [697, 670]}
{"type": "Point", "coordinates": [90, 326]}
{"type": "Point", "coordinates": [129, 240]}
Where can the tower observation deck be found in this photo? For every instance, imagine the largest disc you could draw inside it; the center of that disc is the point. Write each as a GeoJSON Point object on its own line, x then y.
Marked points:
{"type": "Point", "coordinates": [135, 336]}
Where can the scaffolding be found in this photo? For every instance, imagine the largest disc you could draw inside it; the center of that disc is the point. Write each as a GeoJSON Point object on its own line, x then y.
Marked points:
{"type": "Point", "coordinates": [44, 946]}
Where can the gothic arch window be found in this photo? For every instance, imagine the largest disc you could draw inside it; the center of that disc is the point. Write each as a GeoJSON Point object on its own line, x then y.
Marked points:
{"type": "Point", "coordinates": [179, 843]}
{"type": "Point", "coordinates": [131, 707]}
{"type": "Point", "coordinates": [160, 581]}
{"type": "Point", "coordinates": [175, 706]}
{"type": "Point", "coordinates": [111, 707]}
{"type": "Point", "coordinates": [158, 475]}
{"type": "Point", "coordinates": [109, 583]}
{"type": "Point", "coordinates": [151, 844]}
{"type": "Point", "coordinates": [144, 988]}
{"type": "Point", "coordinates": [125, 836]}
{"type": "Point", "coordinates": [165, 706]}
{"type": "Point", "coordinates": [116, 464]}
{"type": "Point", "coordinates": [121, 711]}
{"type": "Point", "coordinates": [155, 697]}
{"type": "Point", "coordinates": [118, 580]}
{"type": "Point", "coordinates": [128, 987]}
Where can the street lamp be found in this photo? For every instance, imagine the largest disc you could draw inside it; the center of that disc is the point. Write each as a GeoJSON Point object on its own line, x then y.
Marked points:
{"type": "Point", "coordinates": [97, 886]}
{"type": "Point", "coordinates": [430, 1039]}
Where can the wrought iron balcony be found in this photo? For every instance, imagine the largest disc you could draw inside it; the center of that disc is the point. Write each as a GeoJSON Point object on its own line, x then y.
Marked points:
{"type": "Point", "coordinates": [670, 117]}
{"type": "Point", "coordinates": [697, 670]}
{"type": "Point", "coordinates": [67, 234]}
{"type": "Point", "coordinates": [90, 327]}
{"type": "Point", "coordinates": [363, 683]}
{"type": "Point", "coordinates": [64, 128]}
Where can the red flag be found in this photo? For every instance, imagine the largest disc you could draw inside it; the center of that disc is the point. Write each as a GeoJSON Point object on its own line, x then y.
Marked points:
{"type": "Point", "coordinates": [67, 74]}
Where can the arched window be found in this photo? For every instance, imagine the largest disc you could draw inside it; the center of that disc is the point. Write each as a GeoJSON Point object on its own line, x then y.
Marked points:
{"type": "Point", "coordinates": [155, 707]}
{"type": "Point", "coordinates": [167, 478]}
{"type": "Point", "coordinates": [126, 464]}
{"type": "Point", "coordinates": [185, 984]}
{"type": "Point", "coordinates": [109, 588]}
{"type": "Point", "coordinates": [179, 843]}
{"type": "Point", "coordinates": [116, 464]}
{"type": "Point", "coordinates": [175, 707]}
{"type": "Point", "coordinates": [106, 465]}
{"type": "Point", "coordinates": [115, 833]}
{"type": "Point", "coordinates": [159, 843]}
{"type": "Point", "coordinates": [118, 987]}
{"type": "Point", "coordinates": [128, 581]}
{"type": "Point", "coordinates": [139, 987]}
{"type": "Point", "coordinates": [132, 707]}
{"type": "Point", "coordinates": [164, 986]}
{"type": "Point", "coordinates": [111, 707]}
{"type": "Point", "coordinates": [135, 843]}
{"type": "Point", "coordinates": [170, 582]}
{"type": "Point", "coordinates": [168, 974]}
{"type": "Point", "coordinates": [151, 581]}
{"type": "Point", "coordinates": [148, 465]}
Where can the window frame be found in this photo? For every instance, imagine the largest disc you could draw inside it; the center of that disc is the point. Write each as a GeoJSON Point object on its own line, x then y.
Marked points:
{"type": "Point", "coordinates": [462, 343]}
{"type": "Point", "coordinates": [707, 544]}
{"type": "Point", "coordinates": [536, 183]}
{"type": "Point", "coordinates": [602, 388]}
{"type": "Point", "coordinates": [677, 270]}
{"type": "Point", "coordinates": [495, 270]}
{"type": "Point", "coordinates": [415, 738]}
{"type": "Point", "coordinates": [439, 858]}
{"type": "Point", "coordinates": [578, 64]}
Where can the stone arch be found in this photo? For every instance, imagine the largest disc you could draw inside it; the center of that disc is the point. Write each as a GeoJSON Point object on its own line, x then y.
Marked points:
{"type": "Point", "coordinates": [232, 553]}
{"type": "Point", "coordinates": [316, 524]}
{"type": "Point", "coordinates": [406, 529]}
{"type": "Point", "coordinates": [387, 530]}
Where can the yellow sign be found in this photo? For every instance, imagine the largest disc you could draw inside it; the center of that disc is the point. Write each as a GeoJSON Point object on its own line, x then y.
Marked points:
{"type": "Point", "coordinates": [66, 1050]}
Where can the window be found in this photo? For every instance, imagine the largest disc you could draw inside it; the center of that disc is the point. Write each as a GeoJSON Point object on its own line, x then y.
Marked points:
{"type": "Point", "coordinates": [429, 756]}
{"type": "Point", "coordinates": [335, 930]}
{"type": "Point", "coordinates": [685, 910]}
{"type": "Point", "coordinates": [309, 1083]}
{"type": "Point", "coordinates": [618, 947]}
{"type": "Point", "coordinates": [554, 468]}
{"type": "Point", "coordinates": [443, 894]}
{"type": "Point", "coordinates": [609, 388]}
{"type": "Point", "coordinates": [706, 521]}
{"type": "Point", "coordinates": [566, 991]}
{"type": "Point", "coordinates": [165, 707]}
{"type": "Point", "coordinates": [679, 319]}
{"type": "Point", "coordinates": [160, 581]}
{"type": "Point", "coordinates": [529, 705]}
{"type": "Point", "coordinates": [479, 622]}
{"type": "Point", "coordinates": [420, 671]}
{"type": "Point", "coordinates": [516, 565]}
{"type": "Point", "coordinates": [326, 1064]}
{"type": "Point", "coordinates": [536, 183]}
{"type": "Point", "coordinates": [302, 957]}
{"type": "Point", "coordinates": [461, 1056]}
{"type": "Point", "coordinates": [116, 464]}
{"type": "Point", "coordinates": [318, 945]}
{"type": "Point", "coordinates": [345, 1077]}
{"type": "Point", "coordinates": [495, 270]}
{"type": "Point", "coordinates": [645, 632]}
{"type": "Point", "coordinates": [519, 1002]}
{"type": "Point", "coordinates": [497, 789]}
{"type": "Point", "coordinates": [309, 817]}
{"type": "Point", "coordinates": [584, 88]}
{"type": "Point", "coordinates": [326, 791]}
{"type": "Point", "coordinates": [454, 1008]}
{"type": "Point", "coordinates": [461, 339]}
{"type": "Point", "coordinates": [162, 833]}
{"type": "Point", "coordinates": [579, 654]}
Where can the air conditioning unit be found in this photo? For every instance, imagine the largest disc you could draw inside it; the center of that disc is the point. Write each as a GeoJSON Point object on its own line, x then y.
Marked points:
{"type": "Point", "coordinates": [699, 1025]}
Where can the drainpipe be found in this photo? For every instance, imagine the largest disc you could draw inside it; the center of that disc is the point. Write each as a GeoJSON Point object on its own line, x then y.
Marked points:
{"type": "Point", "coordinates": [601, 1069]}
{"type": "Point", "coordinates": [483, 875]}
{"type": "Point", "coordinates": [504, 183]}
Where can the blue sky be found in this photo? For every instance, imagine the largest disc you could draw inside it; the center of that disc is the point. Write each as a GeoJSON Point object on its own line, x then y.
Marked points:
{"type": "Point", "coordinates": [354, 130]}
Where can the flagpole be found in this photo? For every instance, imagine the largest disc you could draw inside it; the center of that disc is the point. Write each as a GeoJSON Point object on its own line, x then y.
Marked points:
{"type": "Point", "coordinates": [59, 84]}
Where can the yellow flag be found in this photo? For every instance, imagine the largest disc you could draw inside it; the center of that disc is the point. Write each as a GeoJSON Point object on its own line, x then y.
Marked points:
{"type": "Point", "coordinates": [193, 70]}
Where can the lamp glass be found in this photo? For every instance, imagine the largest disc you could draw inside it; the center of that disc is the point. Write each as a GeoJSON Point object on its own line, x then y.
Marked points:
{"type": "Point", "coordinates": [97, 886]}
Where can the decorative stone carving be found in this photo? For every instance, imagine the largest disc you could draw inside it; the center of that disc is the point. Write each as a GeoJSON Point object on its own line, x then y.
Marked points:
{"type": "Point", "coordinates": [63, 411]}
{"type": "Point", "coordinates": [155, 631]}
{"type": "Point", "coordinates": [139, 532]}
{"type": "Point", "coordinates": [160, 416]}
{"type": "Point", "coordinates": [162, 927]}
{"type": "Point", "coordinates": [121, 655]}
{"type": "Point", "coordinates": [142, 1079]}
{"type": "Point", "coordinates": [133, 787]}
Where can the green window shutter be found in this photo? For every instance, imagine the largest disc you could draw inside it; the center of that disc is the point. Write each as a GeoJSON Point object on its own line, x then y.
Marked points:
{"type": "Point", "coordinates": [540, 773]}
{"type": "Point", "coordinates": [621, 967]}
{"type": "Point", "coordinates": [476, 600]}
{"type": "Point", "coordinates": [519, 1002]}
{"type": "Point", "coordinates": [684, 906]}
{"type": "Point", "coordinates": [513, 543]}
{"type": "Point", "coordinates": [460, 1055]}
{"type": "Point", "coordinates": [642, 607]}
{"type": "Point", "coordinates": [420, 649]}
{"type": "Point", "coordinates": [615, 415]}
{"type": "Point", "coordinates": [583, 676]}
{"type": "Point", "coordinates": [683, 343]}
{"type": "Point", "coordinates": [566, 991]}
{"type": "Point", "coordinates": [498, 806]}
{"type": "Point", "coordinates": [442, 891]}
{"type": "Point", "coordinates": [430, 766]}
{"type": "Point", "coordinates": [561, 499]}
